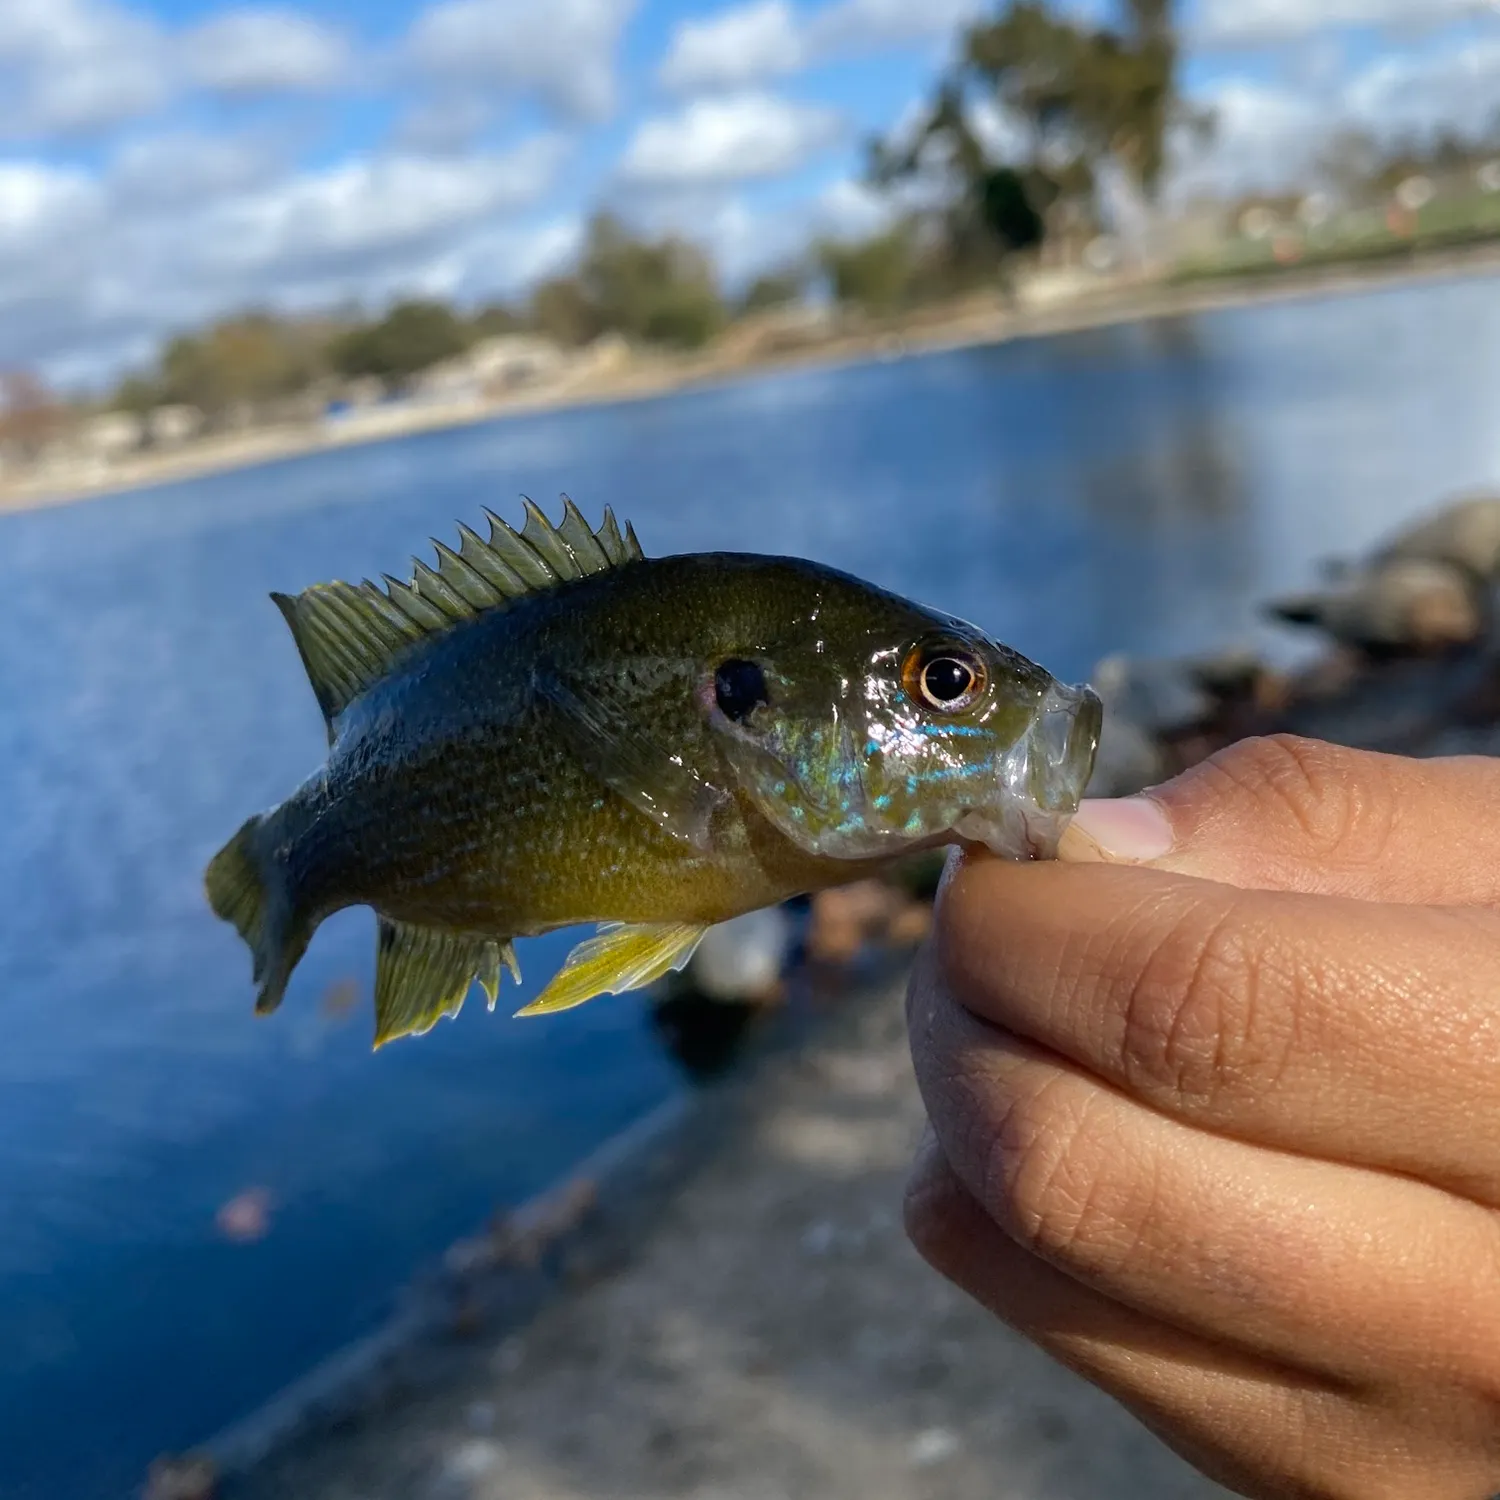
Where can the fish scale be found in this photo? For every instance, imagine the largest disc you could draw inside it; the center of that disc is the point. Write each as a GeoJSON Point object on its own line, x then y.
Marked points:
{"type": "Point", "coordinates": [544, 729]}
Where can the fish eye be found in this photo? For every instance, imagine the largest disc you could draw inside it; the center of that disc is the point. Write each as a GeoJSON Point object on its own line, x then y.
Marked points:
{"type": "Point", "coordinates": [946, 678]}
{"type": "Point", "coordinates": [739, 689]}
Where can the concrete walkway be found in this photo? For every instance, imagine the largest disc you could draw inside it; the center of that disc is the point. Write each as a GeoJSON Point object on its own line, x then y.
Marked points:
{"type": "Point", "coordinates": [775, 1338]}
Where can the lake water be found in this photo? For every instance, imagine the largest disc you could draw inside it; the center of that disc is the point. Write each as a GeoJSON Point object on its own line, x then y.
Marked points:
{"type": "Point", "coordinates": [1137, 489]}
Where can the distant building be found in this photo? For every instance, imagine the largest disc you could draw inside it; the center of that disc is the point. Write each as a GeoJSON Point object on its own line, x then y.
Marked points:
{"type": "Point", "coordinates": [168, 426]}
{"type": "Point", "coordinates": [111, 434]}
{"type": "Point", "coordinates": [515, 359]}
{"type": "Point", "coordinates": [491, 368]}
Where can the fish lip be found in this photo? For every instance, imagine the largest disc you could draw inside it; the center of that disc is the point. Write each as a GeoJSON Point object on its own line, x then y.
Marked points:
{"type": "Point", "coordinates": [1064, 743]}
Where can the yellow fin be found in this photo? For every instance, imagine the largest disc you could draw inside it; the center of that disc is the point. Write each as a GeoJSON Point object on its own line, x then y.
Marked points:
{"type": "Point", "coordinates": [422, 975]}
{"type": "Point", "coordinates": [620, 958]}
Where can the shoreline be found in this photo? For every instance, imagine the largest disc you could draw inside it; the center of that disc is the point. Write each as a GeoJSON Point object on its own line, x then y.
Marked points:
{"type": "Point", "coordinates": [763, 1331]}
{"type": "Point", "coordinates": [933, 331]}
{"type": "Point", "coordinates": [587, 1225]}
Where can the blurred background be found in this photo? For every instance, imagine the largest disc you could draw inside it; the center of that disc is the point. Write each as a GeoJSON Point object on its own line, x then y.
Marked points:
{"type": "Point", "coordinates": [1102, 324]}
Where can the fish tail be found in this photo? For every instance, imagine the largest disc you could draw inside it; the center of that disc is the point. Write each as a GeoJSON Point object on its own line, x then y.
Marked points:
{"type": "Point", "coordinates": [250, 888]}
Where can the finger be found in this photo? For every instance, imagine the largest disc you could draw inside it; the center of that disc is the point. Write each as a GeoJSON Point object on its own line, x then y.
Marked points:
{"type": "Point", "coordinates": [1262, 1250]}
{"type": "Point", "coordinates": [1243, 1421]}
{"type": "Point", "coordinates": [1299, 815]}
{"type": "Point", "coordinates": [1334, 1027]}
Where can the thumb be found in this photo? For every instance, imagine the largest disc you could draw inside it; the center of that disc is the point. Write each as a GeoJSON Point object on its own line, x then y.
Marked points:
{"type": "Point", "coordinates": [1299, 815]}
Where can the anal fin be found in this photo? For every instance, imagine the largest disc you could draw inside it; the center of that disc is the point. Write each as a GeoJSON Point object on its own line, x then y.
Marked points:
{"type": "Point", "coordinates": [423, 974]}
{"type": "Point", "coordinates": [618, 959]}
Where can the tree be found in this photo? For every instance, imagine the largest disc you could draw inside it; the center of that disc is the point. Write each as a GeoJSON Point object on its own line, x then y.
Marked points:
{"type": "Point", "coordinates": [877, 275]}
{"type": "Point", "coordinates": [495, 321]}
{"type": "Point", "coordinates": [251, 360]}
{"type": "Point", "coordinates": [661, 291]}
{"type": "Point", "coordinates": [1075, 96]}
{"type": "Point", "coordinates": [31, 417]}
{"type": "Point", "coordinates": [774, 289]}
{"type": "Point", "coordinates": [561, 309]}
{"type": "Point", "coordinates": [412, 337]}
{"type": "Point", "coordinates": [137, 394]}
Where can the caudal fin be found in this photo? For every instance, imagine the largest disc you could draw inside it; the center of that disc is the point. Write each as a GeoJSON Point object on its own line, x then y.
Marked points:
{"type": "Point", "coordinates": [249, 889]}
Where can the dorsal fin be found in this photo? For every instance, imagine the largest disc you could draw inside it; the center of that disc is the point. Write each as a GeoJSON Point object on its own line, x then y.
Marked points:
{"type": "Point", "coordinates": [349, 635]}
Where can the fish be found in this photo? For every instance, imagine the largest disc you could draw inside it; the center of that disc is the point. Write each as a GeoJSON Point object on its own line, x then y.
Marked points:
{"type": "Point", "coordinates": [547, 729]}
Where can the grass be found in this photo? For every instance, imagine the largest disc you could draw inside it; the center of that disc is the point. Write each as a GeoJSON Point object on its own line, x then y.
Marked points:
{"type": "Point", "coordinates": [1446, 224]}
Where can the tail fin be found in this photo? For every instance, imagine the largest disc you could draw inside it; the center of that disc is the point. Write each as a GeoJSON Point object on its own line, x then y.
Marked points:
{"type": "Point", "coordinates": [248, 888]}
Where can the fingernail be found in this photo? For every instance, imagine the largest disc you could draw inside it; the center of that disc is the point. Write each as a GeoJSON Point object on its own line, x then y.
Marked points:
{"type": "Point", "coordinates": [1130, 830]}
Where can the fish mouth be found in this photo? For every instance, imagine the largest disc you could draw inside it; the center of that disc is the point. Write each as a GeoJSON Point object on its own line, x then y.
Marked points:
{"type": "Point", "coordinates": [1064, 741]}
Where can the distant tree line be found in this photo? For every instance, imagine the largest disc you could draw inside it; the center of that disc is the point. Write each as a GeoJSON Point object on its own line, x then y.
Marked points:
{"type": "Point", "coordinates": [1007, 163]}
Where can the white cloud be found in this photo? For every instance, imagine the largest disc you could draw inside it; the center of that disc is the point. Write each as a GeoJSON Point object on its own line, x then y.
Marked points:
{"type": "Point", "coordinates": [562, 52]}
{"type": "Point", "coordinates": [1246, 23]}
{"type": "Point", "coordinates": [347, 216]}
{"type": "Point", "coordinates": [1269, 138]}
{"type": "Point", "coordinates": [733, 139]}
{"type": "Point", "coordinates": [447, 124]}
{"type": "Point", "coordinates": [765, 39]}
{"type": "Point", "coordinates": [264, 51]}
{"type": "Point", "coordinates": [92, 272]}
{"type": "Point", "coordinates": [1265, 140]}
{"type": "Point", "coordinates": [854, 26]}
{"type": "Point", "coordinates": [76, 66]}
{"type": "Point", "coordinates": [39, 203]}
{"type": "Point", "coordinates": [849, 209]}
{"type": "Point", "coordinates": [177, 169]}
{"type": "Point", "coordinates": [735, 47]}
{"type": "Point", "coordinates": [1457, 89]}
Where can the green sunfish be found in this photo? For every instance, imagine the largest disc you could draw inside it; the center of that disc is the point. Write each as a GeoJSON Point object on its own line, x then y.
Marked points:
{"type": "Point", "coordinates": [552, 729]}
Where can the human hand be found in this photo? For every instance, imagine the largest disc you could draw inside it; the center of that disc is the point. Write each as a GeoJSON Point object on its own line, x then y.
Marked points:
{"type": "Point", "coordinates": [1215, 1112]}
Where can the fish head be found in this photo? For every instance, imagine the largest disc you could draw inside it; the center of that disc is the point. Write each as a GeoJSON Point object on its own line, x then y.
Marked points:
{"type": "Point", "coordinates": [940, 736]}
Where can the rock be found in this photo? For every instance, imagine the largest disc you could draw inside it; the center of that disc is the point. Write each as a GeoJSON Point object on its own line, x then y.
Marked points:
{"type": "Point", "coordinates": [1464, 534]}
{"type": "Point", "coordinates": [847, 918]}
{"type": "Point", "coordinates": [1129, 760]}
{"type": "Point", "coordinates": [743, 959]}
{"type": "Point", "coordinates": [819, 1238]}
{"type": "Point", "coordinates": [523, 1237]}
{"type": "Point", "coordinates": [1234, 673]}
{"type": "Point", "coordinates": [935, 1446]}
{"type": "Point", "coordinates": [480, 1416]}
{"type": "Point", "coordinates": [1401, 605]}
{"type": "Point", "coordinates": [187, 1476]}
{"type": "Point", "coordinates": [1158, 697]}
{"type": "Point", "coordinates": [461, 1471]}
{"type": "Point", "coordinates": [910, 926]}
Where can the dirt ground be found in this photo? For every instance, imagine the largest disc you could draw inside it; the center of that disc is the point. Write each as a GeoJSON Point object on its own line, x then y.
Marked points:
{"type": "Point", "coordinates": [775, 1338]}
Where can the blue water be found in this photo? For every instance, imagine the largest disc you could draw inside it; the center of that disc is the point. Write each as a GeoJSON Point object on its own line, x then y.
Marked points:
{"type": "Point", "coordinates": [1133, 489]}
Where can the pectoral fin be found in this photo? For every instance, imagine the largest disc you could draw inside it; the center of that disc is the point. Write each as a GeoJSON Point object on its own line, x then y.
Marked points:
{"type": "Point", "coordinates": [422, 975]}
{"type": "Point", "coordinates": [620, 958]}
{"type": "Point", "coordinates": [615, 750]}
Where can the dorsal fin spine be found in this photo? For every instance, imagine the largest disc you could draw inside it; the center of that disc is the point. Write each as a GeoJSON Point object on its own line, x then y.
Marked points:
{"type": "Point", "coordinates": [489, 565]}
{"type": "Point", "coordinates": [546, 543]}
{"type": "Point", "coordinates": [440, 593]}
{"type": "Point", "coordinates": [611, 540]}
{"type": "Point", "coordinates": [460, 577]}
{"type": "Point", "coordinates": [509, 546]}
{"type": "Point", "coordinates": [580, 540]}
{"type": "Point", "coordinates": [349, 635]}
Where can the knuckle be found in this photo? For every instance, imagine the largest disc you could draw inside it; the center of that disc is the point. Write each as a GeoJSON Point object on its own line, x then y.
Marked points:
{"type": "Point", "coordinates": [1209, 1011]}
{"type": "Point", "coordinates": [1048, 1166]}
{"type": "Point", "coordinates": [1336, 800]}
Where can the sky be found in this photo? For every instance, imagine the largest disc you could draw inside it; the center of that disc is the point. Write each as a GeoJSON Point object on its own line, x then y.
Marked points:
{"type": "Point", "coordinates": [163, 162]}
